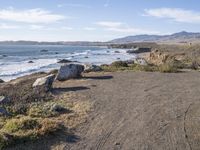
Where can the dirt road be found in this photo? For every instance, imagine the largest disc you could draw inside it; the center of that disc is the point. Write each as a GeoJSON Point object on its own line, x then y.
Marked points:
{"type": "Point", "coordinates": [142, 111]}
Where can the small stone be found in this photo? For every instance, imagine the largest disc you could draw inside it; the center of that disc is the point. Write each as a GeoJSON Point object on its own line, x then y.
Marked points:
{"type": "Point", "coordinates": [30, 62]}
{"type": "Point", "coordinates": [62, 61]}
{"type": "Point", "coordinates": [44, 50]}
{"type": "Point", "coordinates": [1, 81]}
{"type": "Point", "coordinates": [57, 108]}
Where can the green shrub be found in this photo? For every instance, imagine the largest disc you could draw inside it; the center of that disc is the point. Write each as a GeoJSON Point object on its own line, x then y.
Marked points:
{"type": "Point", "coordinates": [41, 110]}
{"type": "Point", "coordinates": [22, 123]}
{"type": "Point", "coordinates": [147, 68]}
{"type": "Point", "coordinates": [24, 128]}
{"type": "Point", "coordinates": [119, 64]}
{"type": "Point", "coordinates": [167, 68]}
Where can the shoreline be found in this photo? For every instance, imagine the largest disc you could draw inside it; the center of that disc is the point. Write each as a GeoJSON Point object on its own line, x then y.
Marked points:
{"type": "Point", "coordinates": [46, 61]}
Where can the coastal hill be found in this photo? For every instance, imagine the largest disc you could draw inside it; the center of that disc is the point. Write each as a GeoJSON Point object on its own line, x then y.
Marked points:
{"type": "Point", "coordinates": [181, 37]}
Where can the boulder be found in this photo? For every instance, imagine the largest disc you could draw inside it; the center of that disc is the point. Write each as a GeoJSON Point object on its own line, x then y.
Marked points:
{"type": "Point", "coordinates": [44, 83]}
{"type": "Point", "coordinates": [4, 56]}
{"type": "Point", "coordinates": [69, 71]}
{"type": "Point", "coordinates": [1, 81]}
{"type": "Point", "coordinates": [4, 100]}
{"type": "Point", "coordinates": [63, 61]}
{"type": "Point", "coordinates": [57, 108]}
{"type": "Point", "coordinates": [139, 50]}
{"type": "Point", "coordinates": [141, 61]}
{"type": "Point", "coordinates": [92, 68]}
{"type": "Point", "coordinates": [130, 61]}
{"type": "Point", "coordinates": [30, 62]}
{"type": "Point", "coordinates": [44, 50]}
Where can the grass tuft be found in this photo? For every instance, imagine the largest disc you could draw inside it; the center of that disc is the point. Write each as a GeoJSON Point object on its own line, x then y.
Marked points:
{"type": "Point", "coordinates": [167, 68]}
{"type": "Point", "coordinates": [119, 64]}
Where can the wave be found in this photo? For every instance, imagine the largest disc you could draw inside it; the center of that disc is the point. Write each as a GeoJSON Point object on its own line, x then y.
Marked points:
{"type": "Point", "coordinates": [13, 69]}
{"type": "Point", "coordinates": [16, 66]}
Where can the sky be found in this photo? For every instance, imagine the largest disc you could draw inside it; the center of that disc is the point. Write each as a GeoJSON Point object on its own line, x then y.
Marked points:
{"type": "Point", "coordinates": [95, 20]}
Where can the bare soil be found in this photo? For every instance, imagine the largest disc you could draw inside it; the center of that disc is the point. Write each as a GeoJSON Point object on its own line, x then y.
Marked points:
{"type": "Point", "coordinates": [133, 111]}
{"type": "Point", "coordinates": [139, 111]}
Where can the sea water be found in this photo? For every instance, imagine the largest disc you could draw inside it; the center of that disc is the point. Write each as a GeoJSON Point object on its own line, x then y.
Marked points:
{"type": "Point", "coordinates": [14, 59]}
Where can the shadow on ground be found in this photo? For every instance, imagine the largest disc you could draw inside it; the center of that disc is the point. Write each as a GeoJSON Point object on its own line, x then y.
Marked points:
{"type": "Point", "coordinates": [98, 77]}
{"type": "Point", "coordinates": [46, 143]}
{"type": "Point", "coordinates": [69, 89]}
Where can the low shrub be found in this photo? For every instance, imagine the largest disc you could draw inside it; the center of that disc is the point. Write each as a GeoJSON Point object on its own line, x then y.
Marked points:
{"type": "Point", "coordinates": [23, 128]}
{"type": "Point", "coordinates": [147, 68]}
{"type": "Point", "coordinates": [42, 110]}
{"type": "Point", "coordinates": [48, 126]}
{"type": "Point", "coordinates": [119, 64]}
{"type": "Point", "coordinates": [167, 68]}
{"type": "Point", "coordinates": [22, 123]}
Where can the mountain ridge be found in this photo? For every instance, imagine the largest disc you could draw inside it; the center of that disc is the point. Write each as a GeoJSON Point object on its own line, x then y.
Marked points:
{"type": "Point", "coordinates": [181, 37]}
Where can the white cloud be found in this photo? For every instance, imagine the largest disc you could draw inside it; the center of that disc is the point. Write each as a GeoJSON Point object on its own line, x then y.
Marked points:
{"type": "Point", "coordinates": [66, 28]}
{"type": "Point", "coordinates": [109, 24]}
{"type": "Point", "coordinates": [132, 30]}
{"type": "Point", "coordinates": [89, 28]}
{"type": "Point", "coordinates": [30, 16]}
{"type": "Point", "coordinates": [176, 14]}
{"type": "Point", "coordinates": [36, 27]}
{"type": "Point", "coordinates": [120, 27]}
{"type": "Point", "coordinates": [73, 5]}
{"type": "Point", "coordinates": [6, 26]}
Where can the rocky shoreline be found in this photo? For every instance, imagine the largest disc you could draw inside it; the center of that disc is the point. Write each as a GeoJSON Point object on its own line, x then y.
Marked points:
{"type": "Point", "coordinates": [28, 101]}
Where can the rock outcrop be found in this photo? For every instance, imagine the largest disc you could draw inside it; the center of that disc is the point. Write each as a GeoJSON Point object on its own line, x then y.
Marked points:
{"type": "Point", "coordinates": [158, 58]}
{"type": "Point", "coordinates": [139, 50]}
{"type": "Point", "coordinates": [63, 61]}
{"type": "Point", "coordinates": [30, 62]}
{"type": "Point", "coordinates": [1, 81]}
{"type": "Point", "coordinates": [92, 68]}
{"type": "Point", "coordinates": [44, 83]}
{"type": "Point", "coordinates": [140, 61]}
{"type": "Point", "coordinates": [69, 71]}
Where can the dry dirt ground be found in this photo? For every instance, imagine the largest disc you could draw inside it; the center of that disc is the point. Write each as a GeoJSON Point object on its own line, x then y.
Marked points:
{"type": "Point", "coordinates": [140, 111]}
{"type": "Point", "coordinates": [137, 111]}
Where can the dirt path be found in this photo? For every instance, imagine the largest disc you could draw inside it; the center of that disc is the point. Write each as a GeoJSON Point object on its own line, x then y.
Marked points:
{"type": "Point", "coordinates": [139, 111]}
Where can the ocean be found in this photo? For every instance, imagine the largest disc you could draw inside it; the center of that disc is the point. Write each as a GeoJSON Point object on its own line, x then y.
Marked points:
{"type": "Point", "coordinates": [14, 59]}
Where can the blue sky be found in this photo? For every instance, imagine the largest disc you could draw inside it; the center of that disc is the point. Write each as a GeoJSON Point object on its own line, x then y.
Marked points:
{"type": "Point", "coordinates": [95, 20]}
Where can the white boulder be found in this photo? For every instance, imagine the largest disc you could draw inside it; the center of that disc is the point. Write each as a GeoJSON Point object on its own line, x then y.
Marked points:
{"type": "Point", "coordinates": [69, 71]}
{"type": "Point", "coordinates": [44, 82]}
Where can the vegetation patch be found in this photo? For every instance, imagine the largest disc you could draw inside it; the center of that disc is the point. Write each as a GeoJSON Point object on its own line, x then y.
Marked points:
{"type": "Point", "coordinates": [118, 64]}
{"type": "Point", "coordinates": [172, 66]}
{"type": "Point", "coordinates": [167, 68]}
{"type": "Point", "coordinates": [42, 119]}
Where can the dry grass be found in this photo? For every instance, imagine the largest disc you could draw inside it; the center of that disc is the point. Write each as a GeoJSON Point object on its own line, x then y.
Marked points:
{"type": "Point", "coordinates": [31, 119]}
{"type": "Point", "coordinates": [132, 67]}
{"type": "Point", "coordinates": [167, 68]}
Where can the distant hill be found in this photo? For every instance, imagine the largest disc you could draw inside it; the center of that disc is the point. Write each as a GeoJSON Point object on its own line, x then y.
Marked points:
{"type": "Point", "coordinates": [75, 43]}
{"type": "Point", "coordinates": [181, 37]}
